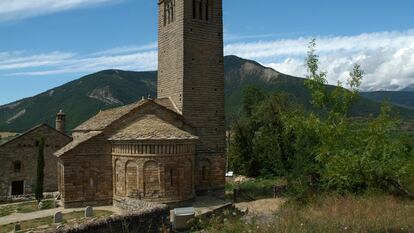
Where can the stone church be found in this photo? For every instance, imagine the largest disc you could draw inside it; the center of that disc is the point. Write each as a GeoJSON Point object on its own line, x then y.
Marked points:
{"type": "Point", "coordinates": [18, 159]}
{"type": "Point", "coordinates": [165, 150]}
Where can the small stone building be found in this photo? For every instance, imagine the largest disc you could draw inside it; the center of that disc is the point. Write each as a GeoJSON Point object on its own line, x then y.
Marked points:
{"type": "Point", "coordinates": [165, 150]}
{"type": "Point", "coordinates": [18, 161]}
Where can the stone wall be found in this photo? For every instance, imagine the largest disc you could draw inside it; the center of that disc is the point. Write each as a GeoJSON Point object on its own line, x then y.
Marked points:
{"type": "Point", "coordinates": [86, 174]}
{"type": "Point", "coordinates": [24, 150]}
{"type": "Point", "coordinates": [191, 72]}
{"type": "Point", "coordinates": [148, 221]}
{"type": "Point", "coordinates": [154, 177]}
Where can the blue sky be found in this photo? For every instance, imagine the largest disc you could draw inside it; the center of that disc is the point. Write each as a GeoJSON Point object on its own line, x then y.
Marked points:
{"type": "Point", "coordinates": [46, 43]}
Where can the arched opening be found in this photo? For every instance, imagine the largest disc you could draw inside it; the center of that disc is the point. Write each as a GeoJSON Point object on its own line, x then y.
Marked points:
{"type": "Point", "coordinates": [207, 10]}
{"type": "Point", "coordinates": [17, 166]}
{"type": "Point", "coordinates": [118, 173]}
{"type": "Point", "coordinates": [194, 9]}
{"type": "Point", "coordinates": [131, 176]}
{"type": "Point", "coordinates": [204, 172]}
{"type": "Point", "coordinates": [200, 9]}
{"type": "Point", "coordinates": [151, 179]}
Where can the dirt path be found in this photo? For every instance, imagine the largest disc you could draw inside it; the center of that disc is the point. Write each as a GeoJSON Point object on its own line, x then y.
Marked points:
{"type": "Point", "coordinates": [19, 217]}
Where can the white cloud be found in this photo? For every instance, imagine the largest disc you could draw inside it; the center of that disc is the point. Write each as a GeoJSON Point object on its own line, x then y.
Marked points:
{"type": "Point", "coordinates": [386, 57]}
{"type": "Point", "coordinates": [20, 9]}
{"type": "Point", "coordinates": [81, 64]}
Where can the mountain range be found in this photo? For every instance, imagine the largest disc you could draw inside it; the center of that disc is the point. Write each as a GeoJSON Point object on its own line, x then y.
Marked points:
{"type": "Point", "coordinates": [82, 98]}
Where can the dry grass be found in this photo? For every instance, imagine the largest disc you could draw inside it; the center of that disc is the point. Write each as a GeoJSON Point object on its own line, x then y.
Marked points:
{"type": "Point", "coordinates": [330, 214]}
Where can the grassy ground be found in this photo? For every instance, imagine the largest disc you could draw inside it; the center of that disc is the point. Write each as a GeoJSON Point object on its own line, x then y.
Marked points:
{"type": "Point", "coordinates": [330, 213]}
{"type": "Point", "coordinates": [47, 222]}
{"type": "Point", "coordinates": [254, 189]}
{"type": "Point", "coordinates": [25, 207]}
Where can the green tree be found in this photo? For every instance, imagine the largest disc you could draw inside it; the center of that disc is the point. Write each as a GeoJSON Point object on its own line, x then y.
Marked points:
{"type": "Point", "coordinates": [40, 170]}
{"type": "Point", "coordinates": [252, 96]}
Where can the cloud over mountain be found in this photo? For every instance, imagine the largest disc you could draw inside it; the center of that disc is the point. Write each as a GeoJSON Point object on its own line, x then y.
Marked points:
{"type": "Point", "coordinates": [386, 57]}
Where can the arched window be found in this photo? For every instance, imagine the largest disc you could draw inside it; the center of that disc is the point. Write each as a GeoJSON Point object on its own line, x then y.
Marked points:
{"type": "Point", "coordinates": [169, 12]}
{"type": "Point", "coordinates": [194, 9]}
{"type": "Point", "coordinates": [17, 166]}
{"type": "Point", "coordinates": [200, 9]}
{"type": "Point", "coordinates": [207, 10]}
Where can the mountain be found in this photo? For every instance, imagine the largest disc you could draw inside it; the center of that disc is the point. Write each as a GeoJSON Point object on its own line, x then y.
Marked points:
{"type": "Point", "coordinates": [80, 99]}
{"type": "Point", "coordinates": [409, 88]}
{"type": "Point", "coordinates": [400, 98]}
{"type": "Point", "coordinates": [84, 97]}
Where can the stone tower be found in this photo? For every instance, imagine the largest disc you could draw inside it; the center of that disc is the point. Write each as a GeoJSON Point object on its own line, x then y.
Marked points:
{"type": "Point", "coordinates": [61, 122]}
{"type": "Point", "coordinates": [191, 73]}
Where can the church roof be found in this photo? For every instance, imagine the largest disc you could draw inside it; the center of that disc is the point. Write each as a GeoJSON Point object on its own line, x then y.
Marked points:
{"type": "Point", "coordinates": [151, 127]}
{"type": "Point", "coordinates": [32, 130]}
{"type": "Point", "coordinates": [104, 118]}
{"type": "Point", "coordinates": [76, 142]}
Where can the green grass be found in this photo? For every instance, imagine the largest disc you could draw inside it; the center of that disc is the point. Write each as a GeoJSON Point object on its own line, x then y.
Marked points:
{"type": "Point", "coordinates": [6, 210]}
{"type": "Point", "coordinates": [328, 213]}
{"type": "Point", "coordinates": [47, 222]}
{"type": "Point", "coordinates": [25, 207]}
{"type": "Point", "coordinates": [255, 189]}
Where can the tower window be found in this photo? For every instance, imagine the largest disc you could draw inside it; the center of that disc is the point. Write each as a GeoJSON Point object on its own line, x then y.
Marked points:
{"type": "Point", "coordinates": [169, 12]}
{"type": "Point", "coordinates": [201, 9]}
{"type": "Point", "coordinates": [207, 10]}
{"type": "Point", "coordinates": [17, 166]}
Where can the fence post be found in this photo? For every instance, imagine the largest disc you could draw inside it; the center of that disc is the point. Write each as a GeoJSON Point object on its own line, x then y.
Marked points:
{"type": "Point", "coordinates": [274, 191]}
{"type": "Point", "coordinates": [236, 193]}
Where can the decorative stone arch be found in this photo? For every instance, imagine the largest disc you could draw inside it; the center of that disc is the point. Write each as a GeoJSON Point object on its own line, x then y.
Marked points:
{"type": "Point", "coordinates": [204, 171]}
{"type": "Point", "coordinates": [188, 185]}
{"type": "Point", "coordinates": [118, 174]}
{"type": "Point", "coordinates": [131, 178]}
{"type": "Point", "coordinates": [151, 179]}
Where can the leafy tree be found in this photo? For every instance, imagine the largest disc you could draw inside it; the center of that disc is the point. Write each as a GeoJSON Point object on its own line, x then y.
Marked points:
{"type": "Point", "coordinates": [40, 170]}
{"type": "Point", "coordinates": [252, 96]}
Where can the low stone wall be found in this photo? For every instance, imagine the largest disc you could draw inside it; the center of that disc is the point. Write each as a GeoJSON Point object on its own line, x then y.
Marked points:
{"type": "Point", "coordinates": [148, 221]}
{"type": "Point", "coordinates": [132, 205]}
{"type": "Point", "coordinates": [27, 197]}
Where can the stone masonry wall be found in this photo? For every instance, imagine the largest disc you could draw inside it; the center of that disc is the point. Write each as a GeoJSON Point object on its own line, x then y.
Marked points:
{"type": "Point", "coordinates": [163, 178]}
{"type": "Point", "coordinates": [86, 174]}
{"type": "Point", "coordinates": [25, 150]}
{"type": "Point", "coordinates": [191, 72]}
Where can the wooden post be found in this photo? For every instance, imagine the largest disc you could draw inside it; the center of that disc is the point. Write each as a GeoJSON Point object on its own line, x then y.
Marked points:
{"type": "Point", "coordinates": [236, 194]}
{"type": "Point", "coordinates": [274, 191]}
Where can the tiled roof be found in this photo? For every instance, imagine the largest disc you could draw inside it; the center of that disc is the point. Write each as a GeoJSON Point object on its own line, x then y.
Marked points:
{"type": "Point", "coordinates": [77, 141]}
{"type": "Point", "coordinates": [151, 127]}
{"type": "Point", "coordinates": [105, 118]}
{"type": "Point", "coordinates": [31, 130]}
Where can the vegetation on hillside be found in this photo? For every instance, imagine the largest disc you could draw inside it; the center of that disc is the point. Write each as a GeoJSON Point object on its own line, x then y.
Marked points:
{"type": "Point", "coordinates": [83, 98]}
{"type": "Point", "coordinates": [321, 152]}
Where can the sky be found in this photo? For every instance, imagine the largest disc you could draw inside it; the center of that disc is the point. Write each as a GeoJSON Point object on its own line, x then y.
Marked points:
{"type": "Point", "coordinates": [46, 43]}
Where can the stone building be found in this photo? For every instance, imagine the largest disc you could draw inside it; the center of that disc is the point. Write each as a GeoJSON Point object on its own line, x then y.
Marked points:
{"type": "Point", "coordinates": [18, 160]}
{"type": "Point", "coordinates": [164, 150]}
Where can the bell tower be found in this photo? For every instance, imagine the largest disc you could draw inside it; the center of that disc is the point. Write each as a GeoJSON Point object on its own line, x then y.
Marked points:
{"type": "Point", "coordinates": [191, 73]}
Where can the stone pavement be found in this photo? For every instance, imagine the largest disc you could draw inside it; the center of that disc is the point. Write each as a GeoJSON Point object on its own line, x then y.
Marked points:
{"type": "Point", "coordinates": [19, 217]}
